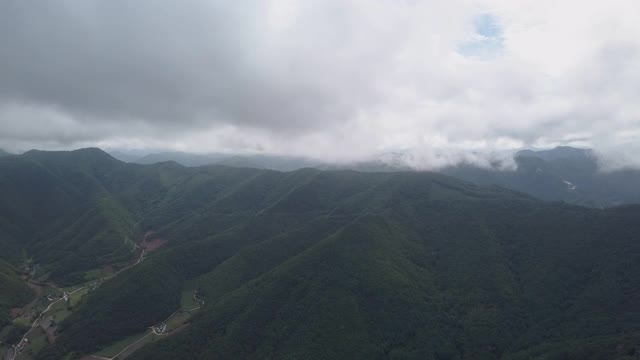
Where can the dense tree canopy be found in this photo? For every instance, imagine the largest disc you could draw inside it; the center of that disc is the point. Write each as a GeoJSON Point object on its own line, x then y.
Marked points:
{"type": "Point", "coordinates": [325, 264]}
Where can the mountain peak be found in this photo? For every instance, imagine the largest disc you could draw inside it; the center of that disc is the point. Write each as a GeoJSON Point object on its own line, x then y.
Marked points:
{"type": "Point", "coordinates": [83, 151]}
{"type": "Point", "coordinates": [92, 151]}
{"type": "Point", "coordinates": [81, 157]}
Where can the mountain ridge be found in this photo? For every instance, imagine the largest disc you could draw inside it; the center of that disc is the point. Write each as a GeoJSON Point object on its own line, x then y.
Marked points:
{"type": "Point", "coordinates": [564, 173]}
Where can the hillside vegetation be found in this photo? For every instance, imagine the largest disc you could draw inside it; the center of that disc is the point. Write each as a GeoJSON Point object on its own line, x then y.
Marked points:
{"type": "Point", "coordinates": [13, 292]}
{"type": "Point", "coordinates": [316, 264]}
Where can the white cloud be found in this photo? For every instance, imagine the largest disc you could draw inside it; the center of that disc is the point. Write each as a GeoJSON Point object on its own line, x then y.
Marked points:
{"type": "Point", "coordinates": [331, 79]}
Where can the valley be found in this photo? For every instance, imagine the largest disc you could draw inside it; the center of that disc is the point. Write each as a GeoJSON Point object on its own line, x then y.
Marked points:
{"type": "Point", "coordinates": [60, 303]}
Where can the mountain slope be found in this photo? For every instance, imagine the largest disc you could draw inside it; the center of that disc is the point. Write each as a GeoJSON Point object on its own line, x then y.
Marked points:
{"type": "Point", "coordinates": [275, 216]}
{"type": "Point", "coordinates": [13, 292]}
{"type": "Point", "coordinates": [422, 286]}
{"type": "Point", "coordinates": [55, 207]}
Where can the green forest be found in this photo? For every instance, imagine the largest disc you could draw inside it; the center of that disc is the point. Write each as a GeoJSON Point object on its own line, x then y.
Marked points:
{"type": "Point", "coordinates": [313, 264]}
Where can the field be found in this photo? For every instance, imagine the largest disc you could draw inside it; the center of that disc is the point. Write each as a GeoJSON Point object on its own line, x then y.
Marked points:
{"type": "Point", "coordinates": [59, 311]}
{"type": "Point", "coordinates": [127, 344]}
{"type": "Point", "coordinates": [22, 321]}
{"type": "Point", "coordinates": [77, 297]}
{"type": "Point", "coordinates": [177, 319]}
{"type": "Point", "coordinates": [186, 300]}
{"type": "Point", "coordinates": [117, 347]}
{"type": "Point", "coordinates": [95, 274]}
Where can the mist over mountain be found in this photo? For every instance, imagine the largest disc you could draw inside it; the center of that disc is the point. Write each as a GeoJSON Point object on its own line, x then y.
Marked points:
{"type": "Point", "coordinates": [128, 155]}
{"type": "Point", "coordinates": [573, 175]}
{"type": "Point", "coordinates": [560, 153]}
{"type": "Point", "coordinates": [562, 174]}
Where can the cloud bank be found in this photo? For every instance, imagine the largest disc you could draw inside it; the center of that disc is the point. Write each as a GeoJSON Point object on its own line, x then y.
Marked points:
{"type": "Point", "coordinates": [332, 79]}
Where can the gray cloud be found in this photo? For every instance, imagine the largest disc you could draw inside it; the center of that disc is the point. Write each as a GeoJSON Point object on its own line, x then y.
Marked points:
{"type": "Point", "coordinates": [330, 79]}
{"type": "Point", "coordinates": [175, 64]}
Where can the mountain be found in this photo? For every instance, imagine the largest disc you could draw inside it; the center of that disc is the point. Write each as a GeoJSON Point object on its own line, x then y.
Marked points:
{"type": "Point", "coordinates": [323, 264]}
{"type": "Point", "coordinates": [559, 153]}
{"type": "Point", "coordinates": [434, 270]}
{"type": "Point", "coordinates": [273, 162]}
{"type": "Point", "coordinates": [4, 153]}
{"type": "Point", "coordinates": [562, 174]}
{"type": "Point", "coordinates": [186, 159]}
{"type": "Point", "coordinates": [379, 288]}
{"type": "Point", "coordinates": [54, 206]}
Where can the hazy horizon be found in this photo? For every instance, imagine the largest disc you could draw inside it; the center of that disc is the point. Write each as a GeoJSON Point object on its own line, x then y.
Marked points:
{"type": "Point", "coordinates": [398, 160]}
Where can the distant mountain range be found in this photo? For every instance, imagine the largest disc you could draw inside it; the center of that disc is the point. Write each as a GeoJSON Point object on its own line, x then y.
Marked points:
{"type": "Point", "coordinates": [559, 153]}
{"type": "Point", "coordinates": [271, 162]}
{"type": "Point", "coordinates": [561, 174]}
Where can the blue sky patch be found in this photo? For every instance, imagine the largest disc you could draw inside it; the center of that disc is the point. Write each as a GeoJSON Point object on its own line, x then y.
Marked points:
{"type": "Point", "coordinates": [487, 41]}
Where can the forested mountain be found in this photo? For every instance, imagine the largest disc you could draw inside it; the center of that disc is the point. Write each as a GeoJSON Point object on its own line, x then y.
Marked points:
{"type": "Point", "coordinates": [4, 153]}
{"type": "Point", "coordinates": [324, 264]}
{"type": "Point", "coordinates": [566, 153]}
{"type": "Point", "coordinates": [411, 282]}
{"type": "Point", "coordinates": [561, 174]}
{"type": "Point", "coordinates": [56, 208]}
{"type": "Point", "coordinates": [271, 162]}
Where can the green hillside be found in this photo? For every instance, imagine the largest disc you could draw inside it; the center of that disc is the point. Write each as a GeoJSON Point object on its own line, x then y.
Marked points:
{"type": "Point", "coordinates": [13, 293]}
{"type": "Point", "coordinates": [55, 208]}
{"type": "Point", "coordinates": [316, 264]}
{"type": "Point", "coordinates": [413, 283]}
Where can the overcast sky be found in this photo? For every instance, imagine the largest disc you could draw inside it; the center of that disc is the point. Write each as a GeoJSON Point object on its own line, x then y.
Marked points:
{"type": "Point", "coordinates": [335, 79]}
